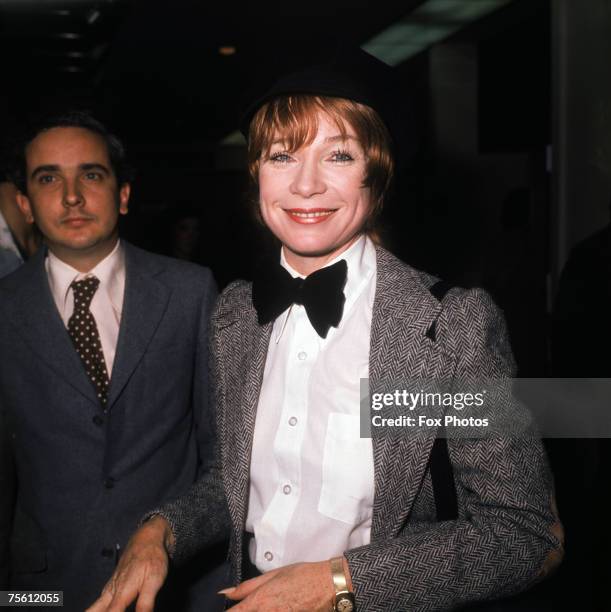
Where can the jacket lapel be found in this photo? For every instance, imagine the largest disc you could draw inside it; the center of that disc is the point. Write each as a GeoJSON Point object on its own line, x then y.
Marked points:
{"type": "Point", "coordinates": [403, 311]}
{"type": "Point", "coordinates": [37, 320]}
{"type": "Point", "coordinates": [144, 304]}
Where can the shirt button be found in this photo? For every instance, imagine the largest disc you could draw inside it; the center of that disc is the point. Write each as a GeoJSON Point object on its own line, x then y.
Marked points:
{"type": "Point", "coordinates": [286, 489]}
{"type": "Point", "coordinates": [109, 483]}
{"type": "Point", "coordinates": [98, 420]}
{"type": "Point", "coordinates": [293, 421]}
{"type": "Point", "coordinates": [301, 355]}
{"type": "Point", "coordinates": [268, 556]}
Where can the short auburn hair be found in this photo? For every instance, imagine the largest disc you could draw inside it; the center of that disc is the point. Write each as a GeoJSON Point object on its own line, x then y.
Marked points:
{"type": "Point", "coordinates": [295, 117]}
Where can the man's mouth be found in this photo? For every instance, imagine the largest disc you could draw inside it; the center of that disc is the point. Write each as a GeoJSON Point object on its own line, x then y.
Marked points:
{"type": "Point", "coordinates": [76, 221]}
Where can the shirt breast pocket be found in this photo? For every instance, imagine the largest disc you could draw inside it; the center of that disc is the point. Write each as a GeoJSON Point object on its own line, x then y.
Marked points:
{"type": "Point", "coordinates": [347, 471]}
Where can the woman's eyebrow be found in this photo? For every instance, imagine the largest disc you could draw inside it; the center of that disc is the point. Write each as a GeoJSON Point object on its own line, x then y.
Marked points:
{"type": "Point", "coordinates": [329, 139]}
{"type": "Point", "coordinates": [339, 137]}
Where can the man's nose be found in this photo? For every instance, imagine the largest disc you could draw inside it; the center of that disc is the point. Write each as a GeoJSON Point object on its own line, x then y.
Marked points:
{"type": "Point", "coordinates": [308, 180]}
{"type": "Point", "coordinates": [72, 194]}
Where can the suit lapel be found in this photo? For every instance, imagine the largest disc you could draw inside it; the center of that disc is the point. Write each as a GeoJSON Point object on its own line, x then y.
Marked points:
{"type": "Point", "coordinates": [37, 320]}
{"type": "Point", "coordinates": [400, 350]}
{"type": "Point", "coordinates": [144, 304]}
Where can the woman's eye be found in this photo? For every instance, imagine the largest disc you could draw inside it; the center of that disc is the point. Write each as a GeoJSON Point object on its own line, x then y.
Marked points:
{"type": "Point", "coordinates": [341, 156]}
{"type": "Point", "coordinates": [280, 157]}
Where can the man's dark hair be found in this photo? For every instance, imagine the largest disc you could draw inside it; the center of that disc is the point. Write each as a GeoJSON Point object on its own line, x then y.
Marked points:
{"type": "Point", "coordinates": [78, 119]}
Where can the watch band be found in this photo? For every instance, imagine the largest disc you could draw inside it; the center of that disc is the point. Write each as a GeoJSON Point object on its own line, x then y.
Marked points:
{"type": "Point", "coordinates": [339, 578]}
{"type": "Point", "coordinates": [344, 599]}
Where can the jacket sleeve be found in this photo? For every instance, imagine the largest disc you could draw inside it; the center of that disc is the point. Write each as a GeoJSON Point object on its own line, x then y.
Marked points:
{"type": "Point", "coordinates": [202, 392]}
{"type": "Point", "coordinates": [507, 534]}
{"type": "Point", "coordinates": [200, 517]}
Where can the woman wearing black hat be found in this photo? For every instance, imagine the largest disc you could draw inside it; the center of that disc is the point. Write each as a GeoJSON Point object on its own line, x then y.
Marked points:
{"type": "Point", "coordinates": [319, 517]}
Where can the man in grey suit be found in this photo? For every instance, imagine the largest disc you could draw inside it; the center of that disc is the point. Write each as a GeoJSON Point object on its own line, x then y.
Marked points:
{"type": "Point", "coordinates": [103, 384]}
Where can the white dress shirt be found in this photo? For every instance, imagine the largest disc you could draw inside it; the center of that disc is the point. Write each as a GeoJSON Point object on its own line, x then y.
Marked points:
{"type": "Point", "coordinates": [107, 303]}
{"type": "Point", "coordinates": [311, 475]}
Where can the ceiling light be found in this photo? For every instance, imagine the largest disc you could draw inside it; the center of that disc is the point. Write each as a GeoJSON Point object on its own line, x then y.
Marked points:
{"type": "Point", "coordinates": [68, 35]}
{"type": "Point", "coordinates": [227, 50]}
{"type": "Point", "coordinates": [93, 16]}
{"type": "Point", "coordinates": [456, 10]}
{"type": "Point", "coordinates": [234, 139]}
{"type": "Point", "coordinates": [430, 23]}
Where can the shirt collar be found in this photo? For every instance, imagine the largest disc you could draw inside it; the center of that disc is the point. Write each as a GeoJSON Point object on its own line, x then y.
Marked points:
{"type": "Point", "coordinates": [361, 260]}
{"type": "Point", "coordinates": [109, 272]}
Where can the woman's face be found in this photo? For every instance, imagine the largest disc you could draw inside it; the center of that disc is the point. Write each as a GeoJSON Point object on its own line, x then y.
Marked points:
{"type": "Point", "coordinates": [313, 200]}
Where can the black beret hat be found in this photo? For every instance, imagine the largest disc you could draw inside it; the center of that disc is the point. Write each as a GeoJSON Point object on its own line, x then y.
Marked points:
{"type": "Point", "coordinates": [349, 73]}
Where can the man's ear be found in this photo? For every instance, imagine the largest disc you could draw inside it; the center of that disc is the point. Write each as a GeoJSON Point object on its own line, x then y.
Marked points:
{"type": "Point", "coordinates": [24, 206]}
{"type": "Point", "coordinates": [124, 193]}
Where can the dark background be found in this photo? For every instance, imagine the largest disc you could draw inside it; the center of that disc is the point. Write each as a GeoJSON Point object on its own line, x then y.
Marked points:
{"type": "Point", "coordinates": [153, 71]}
{"type": "Point", "coordinates": [491, 197]}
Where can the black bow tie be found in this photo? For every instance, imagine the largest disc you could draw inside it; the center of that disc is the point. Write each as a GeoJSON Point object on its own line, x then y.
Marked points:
{"type": "Point", "coordinates": [321, 293]}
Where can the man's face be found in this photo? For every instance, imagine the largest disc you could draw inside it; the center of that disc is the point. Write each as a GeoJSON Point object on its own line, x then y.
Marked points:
{"type": "Point", "coordinates": [314, 200]}
{"type": "Point", "coordinates": [72, 194]}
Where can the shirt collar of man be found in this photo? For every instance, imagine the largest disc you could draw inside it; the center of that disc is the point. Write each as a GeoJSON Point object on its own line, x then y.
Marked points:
{"type": "Point", "coordinates": [108, 271]}
{"type": "Point", "coordinates": [361, 260]}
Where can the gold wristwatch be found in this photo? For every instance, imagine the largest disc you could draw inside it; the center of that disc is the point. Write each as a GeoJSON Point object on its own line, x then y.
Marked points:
{"type": "Point", "coordinates": [344, 599]}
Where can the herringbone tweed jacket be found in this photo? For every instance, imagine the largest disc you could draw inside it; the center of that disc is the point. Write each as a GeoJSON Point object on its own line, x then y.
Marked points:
{"type": "Point", "coordinates": [504, 538]}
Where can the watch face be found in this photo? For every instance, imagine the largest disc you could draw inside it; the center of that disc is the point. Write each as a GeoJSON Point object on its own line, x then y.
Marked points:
{"type": "Point", "coordinates": [344, 605]}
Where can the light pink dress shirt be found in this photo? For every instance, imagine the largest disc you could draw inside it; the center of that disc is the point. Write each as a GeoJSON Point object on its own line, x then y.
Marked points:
{"type": "Point", "coordinates": [107, 303]}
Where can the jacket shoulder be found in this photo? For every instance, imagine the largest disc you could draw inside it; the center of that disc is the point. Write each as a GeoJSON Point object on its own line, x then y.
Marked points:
{"type": "Point", "coordinates": [468, 317]}
{"type": "Point", "coordinates": [23, 273]}
{"type": "Point", "coordinates": [466, 301]}
{"type": "Point", "coordinates": [174, 270]}
{"type": "Point", "coordinates": [235, 299]}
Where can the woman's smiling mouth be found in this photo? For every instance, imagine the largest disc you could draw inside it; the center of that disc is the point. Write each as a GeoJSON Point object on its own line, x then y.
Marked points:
{"type": "Point", "coordinates": [309, 215]}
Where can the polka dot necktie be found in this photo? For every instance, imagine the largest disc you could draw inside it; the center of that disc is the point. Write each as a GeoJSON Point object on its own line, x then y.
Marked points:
{"type": "Point", "coordinates": [84, 333]}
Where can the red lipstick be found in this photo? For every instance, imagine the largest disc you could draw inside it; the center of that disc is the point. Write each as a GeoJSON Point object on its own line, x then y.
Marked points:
{"type": "Point", "coordinates": [309, 216]}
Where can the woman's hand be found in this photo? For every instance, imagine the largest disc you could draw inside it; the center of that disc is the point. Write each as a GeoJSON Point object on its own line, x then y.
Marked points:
{"type": "Point", "coordinates": [300, 587]}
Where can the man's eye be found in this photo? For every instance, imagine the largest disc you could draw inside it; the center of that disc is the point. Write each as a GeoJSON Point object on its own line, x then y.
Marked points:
{"type": "Point", "coordinates": [93, 176]}
{"type": "Point", "coordinates": [341, 156]}
{"type": "Point", "coordinates": [46, 178]}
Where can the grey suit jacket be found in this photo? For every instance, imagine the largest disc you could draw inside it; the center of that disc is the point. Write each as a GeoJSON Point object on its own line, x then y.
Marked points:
{"type": "Point", "coordinates": [8, 261]}
{"type": "Point", "coordinates": [504, 535]}
{"type": "Point", "coordinates": [85, 477]}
